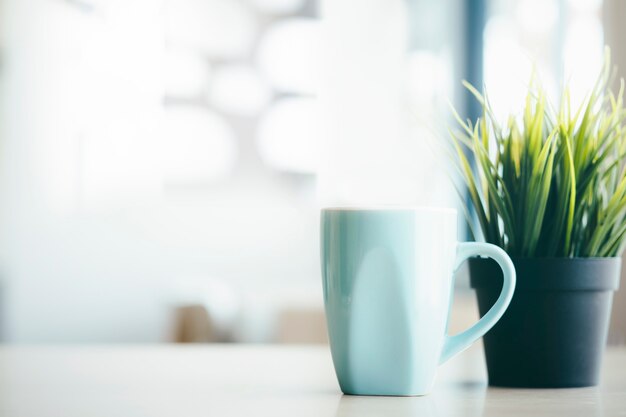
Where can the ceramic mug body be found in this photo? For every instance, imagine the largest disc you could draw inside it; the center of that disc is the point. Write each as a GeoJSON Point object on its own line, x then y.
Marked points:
{"type": "Point", "coordinates": [387, 279]}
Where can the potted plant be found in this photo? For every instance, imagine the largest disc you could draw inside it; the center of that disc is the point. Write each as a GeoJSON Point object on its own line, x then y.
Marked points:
{"type": "Point", "coordinates": [549, 187]}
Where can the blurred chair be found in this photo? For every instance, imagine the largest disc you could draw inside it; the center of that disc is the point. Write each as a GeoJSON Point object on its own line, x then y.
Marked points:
{"type": "Point", "coordinates": [308, 325]}
{"type": "Point", "coordinates": [617, 330]}
{"type": "Point", "coordinates": [294, 325]}
{"type": "Point", "coordinates": [614, 14]}
{"type": "Point", "coordinates": [192, 324]}
{"type": "Point", "coordinates": [302, 326]}
{"type": "Point", "coordinates": [464, 312]}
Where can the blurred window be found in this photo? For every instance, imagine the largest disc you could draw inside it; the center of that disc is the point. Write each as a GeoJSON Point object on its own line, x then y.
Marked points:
{"type": "Point", "coordinates": [562, 40]}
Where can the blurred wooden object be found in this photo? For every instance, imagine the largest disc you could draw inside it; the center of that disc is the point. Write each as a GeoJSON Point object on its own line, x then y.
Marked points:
{"type": "Point", "coordinates": [614, 14]}
{"type": "Point", "coordinates": [302, 326]}
{"type": "Point", "coordinates": [617, 332]}
{"type": "Point", "coordinates": [464, 312]}
{"type": "Point", "coordinates": [297, 325]}
{"type": "Point", "coordinates": [192, 324]}
{"type": "Point", "coordinates": [309, 325]}
{"type": "Point", "coordinates": [617, 329]}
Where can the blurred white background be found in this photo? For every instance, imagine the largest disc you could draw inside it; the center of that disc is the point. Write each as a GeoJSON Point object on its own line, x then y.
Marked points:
{"type": "Point", "coordinates": [165, 153]}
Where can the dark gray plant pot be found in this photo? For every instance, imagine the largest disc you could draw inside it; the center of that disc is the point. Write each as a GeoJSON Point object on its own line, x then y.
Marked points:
{"type": "Point", "coordinates": [554, 332]}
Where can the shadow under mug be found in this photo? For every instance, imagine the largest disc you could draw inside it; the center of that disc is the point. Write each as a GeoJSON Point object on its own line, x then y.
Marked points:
{"type": "Point", "coordinates": [388, 284]}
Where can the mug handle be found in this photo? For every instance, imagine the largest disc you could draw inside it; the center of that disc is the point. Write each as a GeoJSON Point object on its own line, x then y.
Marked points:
{"type": "Point", "coordinates": [457, 343]}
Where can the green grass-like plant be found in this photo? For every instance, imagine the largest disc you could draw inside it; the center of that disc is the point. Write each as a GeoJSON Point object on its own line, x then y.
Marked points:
{"type": "Point", "coordinates": [552, 182]}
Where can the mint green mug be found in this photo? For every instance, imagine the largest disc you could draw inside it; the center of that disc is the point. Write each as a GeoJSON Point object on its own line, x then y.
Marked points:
{"type": "Point", "coordinates": [388, 281]}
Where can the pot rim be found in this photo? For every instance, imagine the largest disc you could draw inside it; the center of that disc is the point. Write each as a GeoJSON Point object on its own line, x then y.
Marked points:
{"type": "Point", "coordinates": [566, 258]}
{"type": "Point", "coordinates": [551, 274]}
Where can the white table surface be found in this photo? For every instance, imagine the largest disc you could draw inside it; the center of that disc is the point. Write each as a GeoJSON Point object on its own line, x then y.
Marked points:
{"type": "Point", "coordinates": [229, 380]}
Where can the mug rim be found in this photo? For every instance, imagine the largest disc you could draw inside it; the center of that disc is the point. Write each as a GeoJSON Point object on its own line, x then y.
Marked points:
{"type": "Point", "coordinates": [430, 209]}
